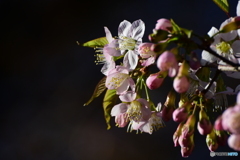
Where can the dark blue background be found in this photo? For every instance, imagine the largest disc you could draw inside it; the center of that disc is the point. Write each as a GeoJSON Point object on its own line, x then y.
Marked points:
{"type": "Point", "coordinates": [46, 79]}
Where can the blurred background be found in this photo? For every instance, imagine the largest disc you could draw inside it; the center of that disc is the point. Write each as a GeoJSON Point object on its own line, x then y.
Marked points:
{"type": "Point", "coordinates": [46, 79]}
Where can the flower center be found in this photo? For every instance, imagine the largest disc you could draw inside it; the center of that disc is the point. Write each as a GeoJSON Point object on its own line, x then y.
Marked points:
{"type": "Point", "coordinates": [223, 47]}
{"type": "Point", "coordinates": [126, 43]}
{"type": "Point", "coordinates": [117, 80]}
{"type": "Point", "coordinates": [134, 111]}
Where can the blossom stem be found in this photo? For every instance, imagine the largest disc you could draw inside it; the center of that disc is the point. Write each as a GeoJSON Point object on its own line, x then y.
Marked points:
{"type": "Point", "coordinates": [146, 90]}
{"type": "Point", "coordinates": [218, 56]}
{"type": "Point", "coordinates": [211, 82]}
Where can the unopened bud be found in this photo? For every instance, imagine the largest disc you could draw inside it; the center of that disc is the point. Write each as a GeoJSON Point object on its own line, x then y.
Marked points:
{"type": "Point", "coordinates": [204, 124]}
{"type": "Point", "coordinates": [187, 149]}
{"type": "Point", "coordinates": [155, 80]}
{"type": "Point", "coordinates": [211, 140]}
{"type": "Point", "coordinates": [188, 128]}
{"type": "Point", "coordinates": [181, 84]}
{"type": "Point", "coordinates": [169, 106]}
{"type": "Point", "coordinates": [221, 137]}
{"type": "Point", "coordinates": [233, 25]}
{"type": "Point", "coordinates": [163, 24]}
{"type": "Point", "coordinates": [177, 134]}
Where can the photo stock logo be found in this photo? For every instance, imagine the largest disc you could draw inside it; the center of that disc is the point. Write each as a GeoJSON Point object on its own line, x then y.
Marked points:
{"type": "Point", "coordinates": [212, 154]}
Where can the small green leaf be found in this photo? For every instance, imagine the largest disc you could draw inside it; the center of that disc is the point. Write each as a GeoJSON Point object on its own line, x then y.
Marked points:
{"type": "Point", "coordinates": [176, 28]}
{"type": "Point", "coordinates": [98, 90]}
{"type": "Point", "coordinates": [187, 32]}
{"type": "Point", "coordinates": [99, 42]}
{"type": "Point", "coordinates": [223, 4]}
{"type": "Point", "coordinates": [109, 101]}
{"type": "Point", "coordinates": [233, 25]}
{"type": "Point", "coordinates": [158, 35]}
{"type": "Point", "coordinates": [203, 74]}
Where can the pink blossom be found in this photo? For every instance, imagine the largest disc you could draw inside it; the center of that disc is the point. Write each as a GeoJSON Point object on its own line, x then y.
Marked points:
{"type": "Point", "coordinates": [229, 119]}
{"type": "Point", "coordinates": [168, 62]}
{"type": "Point", "coordinates": [119, 79]}
{"type": "Point", "coordinates": [147, 54]}
{"type": "Point", "coordinates": [234, 141]}
{"type": "Point", "coordinates": [119, 111]}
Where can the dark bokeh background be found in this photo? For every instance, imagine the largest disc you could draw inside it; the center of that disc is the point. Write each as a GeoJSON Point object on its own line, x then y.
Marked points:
{"type": "Point", "coordinates": [46, 79]}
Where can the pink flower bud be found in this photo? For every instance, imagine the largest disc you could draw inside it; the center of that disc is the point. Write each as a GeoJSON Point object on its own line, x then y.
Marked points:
{"type": "Point", "coordinates": [168, 62]}
{"type": "Point", "coordinates": [177, 134]}
{"type": "Point", "coordinates": [211, 140]}
{"type": "Point", "coordinates": [169, 106]}
{"type": "Point", "coordinates": [186, 151]}
{"type": "Point", "coordinates": [221, 137]}
{"type": "Point", "coordinates": [155, 80]}
{"type": "Point", "coordinates": [204, 127]}
{"type": "Point", "coordinates": [189, 126]}
{"type": "Point", "coordinates": [167, 113]}
{"type": "Point", "coordinates": [180, 114]}
{"type": "Point", "coordinates": [194, 62]}
{"type": "Point", "coordinates": [218, 124]}
{"type": "Point", "coordinates": [163, 24]}
{"type": "Point", "coordinates": [181, 84]}
{"type": "Point", "coordinates": [234, 142]}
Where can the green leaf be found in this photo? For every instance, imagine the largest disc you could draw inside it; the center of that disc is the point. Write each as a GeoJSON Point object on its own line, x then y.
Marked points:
{"type": "Point", "coordinates": [223, 4]}
{"type": "Point", "coordinates": [109, 101]}
{"type": "Point", "coordinates": [203, 74]}
{"type": "Point", "coordinates": [98, 90]}
{"type": "Point", "coordinates": [99, 42]}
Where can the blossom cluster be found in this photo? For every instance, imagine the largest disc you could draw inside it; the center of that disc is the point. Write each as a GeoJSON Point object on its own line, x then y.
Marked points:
{"type": "Point", "coordinates": [127, 66]}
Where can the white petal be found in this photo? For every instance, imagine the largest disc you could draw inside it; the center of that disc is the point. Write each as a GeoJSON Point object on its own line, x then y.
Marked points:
{"type": "Point", "coordinates": [229, 36]}
{"type": "Point", "coordinates": [146, 127]}
{"type": "Point", "coordinates": [124, 28]}
{"type": "Point", "coordinates": [124, 87]}
{"type": "Point", "coordinates": [235, 75]}
{"type": "Point", "coordinates": [237, 91]}
{"type": "Point", "coordinates": [119, 109]}
{"type": "Point", "coordinates": [212, 31]}
{"type": "Point", "coordinates": [108, 35]}
{"type": "Point", "coordinates": [137, 125]}
{"type": "Point", "coordinates": [236, 48]}
{"type": "Point", "coordinates": [130, 60]}
{"type": "Point", "coordinates": [207, 58]}
{"type": "Point", "coordinates": [129, 96]}
{"type": "Point", "coordinates": [132, 84]}
{"type": "Point", "coordinates": [238, 8]}
{"type": "Point", "coordinates": [111, 50]}
{"type": "Point", "coordinates": [108, 66]}
{"type": "Point", "coordinates": [137, 29]}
